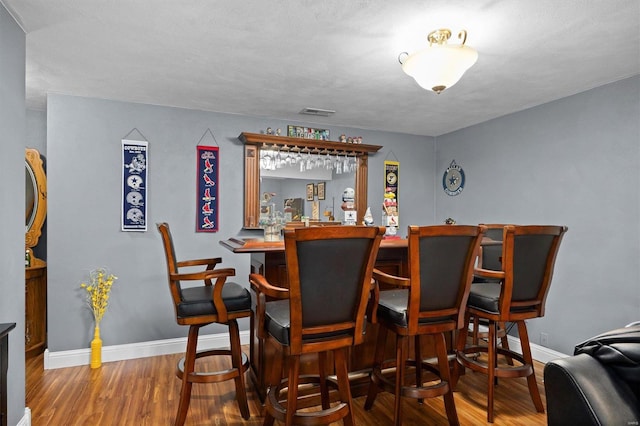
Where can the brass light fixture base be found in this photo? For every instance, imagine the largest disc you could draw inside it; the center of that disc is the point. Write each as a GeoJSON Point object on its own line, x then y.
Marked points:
{"type": "Point", "coordinates": [443, 34]}
{"type": "Point", "coordinates": [439, 36]}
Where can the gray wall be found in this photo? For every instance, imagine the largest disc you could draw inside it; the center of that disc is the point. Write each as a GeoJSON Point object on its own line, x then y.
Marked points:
{"type": "Point", "coordinates": [83, 163]}
{"type": "Point", "coordinates": [37, 130]}
{"type": "Point", "coordinates": [556, 163]}
{"type": "Point", "coordinates": [12, 143]}
{"type": "Point", "coordinates": [573, 162]}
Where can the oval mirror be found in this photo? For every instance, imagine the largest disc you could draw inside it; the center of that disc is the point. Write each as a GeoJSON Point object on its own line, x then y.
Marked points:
{"type": "Point", "coordinates": [30, 187]}
{"type": "Point", "coordinates": [35, 197]}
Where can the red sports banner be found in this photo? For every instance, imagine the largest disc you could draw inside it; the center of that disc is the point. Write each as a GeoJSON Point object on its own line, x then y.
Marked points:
{"type": "Point", "coordinates": [207, 188]}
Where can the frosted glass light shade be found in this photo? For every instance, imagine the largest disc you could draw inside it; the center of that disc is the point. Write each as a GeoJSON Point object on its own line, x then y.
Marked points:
{"type": "Point", "coordinates": [439, 66]}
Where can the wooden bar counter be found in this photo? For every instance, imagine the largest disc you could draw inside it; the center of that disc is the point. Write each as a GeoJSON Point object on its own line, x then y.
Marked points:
{"type": "Point", "coordinates": [267, 258]}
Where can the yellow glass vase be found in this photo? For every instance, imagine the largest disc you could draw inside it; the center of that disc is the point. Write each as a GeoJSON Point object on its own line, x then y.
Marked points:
{"type": "Point", "coordinates": [96, 349]}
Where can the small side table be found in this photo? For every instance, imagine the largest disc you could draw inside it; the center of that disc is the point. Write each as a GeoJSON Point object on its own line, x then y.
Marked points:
{"type": "Point", "coordinates": [4, 367]}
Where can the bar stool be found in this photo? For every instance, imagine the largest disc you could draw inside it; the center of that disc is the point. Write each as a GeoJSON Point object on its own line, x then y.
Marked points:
{"type": "Point", "coordinates": [322, 312]}
{"type": "Point", "coordinates": [223, 302]}
{"type": "Point", "coordinates": [528, 259]}
{"type": "Point", "coordinates": [430, 302]}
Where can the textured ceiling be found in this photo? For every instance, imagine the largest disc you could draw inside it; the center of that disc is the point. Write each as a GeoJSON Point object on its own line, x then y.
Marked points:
{"type": "Point", "coordinates": [273, 58]}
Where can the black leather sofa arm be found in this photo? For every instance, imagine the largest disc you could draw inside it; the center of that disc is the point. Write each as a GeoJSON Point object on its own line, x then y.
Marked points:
{"type": "Point", "coordinates": [582, 391]}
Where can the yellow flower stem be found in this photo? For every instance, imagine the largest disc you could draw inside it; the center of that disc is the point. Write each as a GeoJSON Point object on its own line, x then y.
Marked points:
{"type": "Point", "coordinates": [98, 292]}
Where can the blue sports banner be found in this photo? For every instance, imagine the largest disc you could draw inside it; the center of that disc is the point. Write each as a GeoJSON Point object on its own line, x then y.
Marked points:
{"type": "Point", "coordinates": [207, 189]}
{"type": "Point", "coordinates": [135, 165]}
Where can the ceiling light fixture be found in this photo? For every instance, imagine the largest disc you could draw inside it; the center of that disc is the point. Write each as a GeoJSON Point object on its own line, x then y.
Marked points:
{"type": "Point", "coordinates": [440, 65]}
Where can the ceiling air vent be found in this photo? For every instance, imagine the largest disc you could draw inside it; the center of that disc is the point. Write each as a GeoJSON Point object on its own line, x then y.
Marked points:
{"type": "Point", "coordinates": [317, 111]}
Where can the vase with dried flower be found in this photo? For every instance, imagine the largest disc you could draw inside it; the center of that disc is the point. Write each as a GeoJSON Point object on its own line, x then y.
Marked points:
{"type": "Point", "coordinates": [98, 289]}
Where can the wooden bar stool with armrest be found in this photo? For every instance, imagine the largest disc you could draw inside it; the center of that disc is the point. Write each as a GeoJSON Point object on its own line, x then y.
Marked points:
{"type": "Point", "coordinates": [528, 259]}
{"type": "Point", "coordinates": [223, 302]}
{"type": "Point", "coordinates": [430, 302]}
{"type": "Point", "coordinates": [323, 311]}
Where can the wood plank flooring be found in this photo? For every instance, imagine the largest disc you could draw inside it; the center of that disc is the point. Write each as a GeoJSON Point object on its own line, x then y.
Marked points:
{"type": "Point", "coordinates": [145, 391]}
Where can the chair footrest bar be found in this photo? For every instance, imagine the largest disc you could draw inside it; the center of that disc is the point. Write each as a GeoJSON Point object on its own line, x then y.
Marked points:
{"type": "Point", "coordinates": [316, 417]}
{"type": "Point", "coordinates": [469, 359]}
{"type": "Point", "coordinates": [212, 376]}
{"type": "Point", "coordinates": [387, 383]}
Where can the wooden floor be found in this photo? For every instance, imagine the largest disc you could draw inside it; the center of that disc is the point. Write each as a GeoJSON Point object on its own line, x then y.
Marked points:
{"type": "Point", "coordinates": [145, 392]}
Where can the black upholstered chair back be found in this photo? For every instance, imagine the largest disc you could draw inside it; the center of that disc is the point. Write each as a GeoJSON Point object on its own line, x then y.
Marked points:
{"type": "Point", "coordinates": [530, 258]}
{"type": "Point", "coordinates": [441, 261]}
{"type": "Point", "coordinates": [492, 254]}
{"type": "Point", "coordinates": [494, 231]}
{"type": "Point", "coordinates": [330, 272]}
{"type": "Point", "coordinates": [491, 257]}
{"type": "Point", "coordinates": [529, 254]}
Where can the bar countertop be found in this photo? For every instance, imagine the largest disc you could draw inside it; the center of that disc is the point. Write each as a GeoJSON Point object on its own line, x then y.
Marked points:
{"type": "Point", "coordinates": [258, 245]}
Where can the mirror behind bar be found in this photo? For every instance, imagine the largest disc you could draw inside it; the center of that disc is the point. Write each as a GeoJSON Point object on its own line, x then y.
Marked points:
{"type": "Point", "coordinates": [254, 142]}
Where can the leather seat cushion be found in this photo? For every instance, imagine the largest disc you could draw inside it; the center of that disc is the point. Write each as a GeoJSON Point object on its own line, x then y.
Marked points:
{"type": "Point", "coordinates": [392, 308]}
{"type": "Point", "coordinates": [485, 296]}
{"type": "Point", "coordinates": [197, 301]}
{"type": "Point", "coordinates": [278, 323]}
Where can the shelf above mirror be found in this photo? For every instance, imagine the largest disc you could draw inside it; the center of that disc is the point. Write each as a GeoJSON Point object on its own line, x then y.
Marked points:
{"type": "Point", "coordinates": [281, 141]}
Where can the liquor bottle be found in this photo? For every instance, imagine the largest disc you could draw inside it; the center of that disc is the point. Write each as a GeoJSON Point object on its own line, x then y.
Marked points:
{"type": "Point", "coordinates": [27, 259]}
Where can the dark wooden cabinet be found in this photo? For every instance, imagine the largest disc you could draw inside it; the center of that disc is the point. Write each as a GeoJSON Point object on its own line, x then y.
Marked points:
{"type": "Point", "coordinates": [35, 329]}
{"type": "Point", "coordinates": [4, 366]}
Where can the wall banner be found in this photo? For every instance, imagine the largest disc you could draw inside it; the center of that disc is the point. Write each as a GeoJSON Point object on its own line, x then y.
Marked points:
{"type": "Point", "coordinates": [135, 164]}
{"type": "Point", "coordinates": [208, 159]}
{"type": "Point", "coordinates": [391, 185]}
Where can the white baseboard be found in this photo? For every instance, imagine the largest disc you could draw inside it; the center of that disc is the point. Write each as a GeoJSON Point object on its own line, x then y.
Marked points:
{"type": "Point", "coordinates": [539, 353]}
{"type": "Point", "coordinates": [72, 358]}
{"type": "Point", "coordinates": [26, 419]}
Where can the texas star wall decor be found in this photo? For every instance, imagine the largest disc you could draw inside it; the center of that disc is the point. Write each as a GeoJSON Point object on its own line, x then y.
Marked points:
{"type": "Point", "coordinates": [453, 179]}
